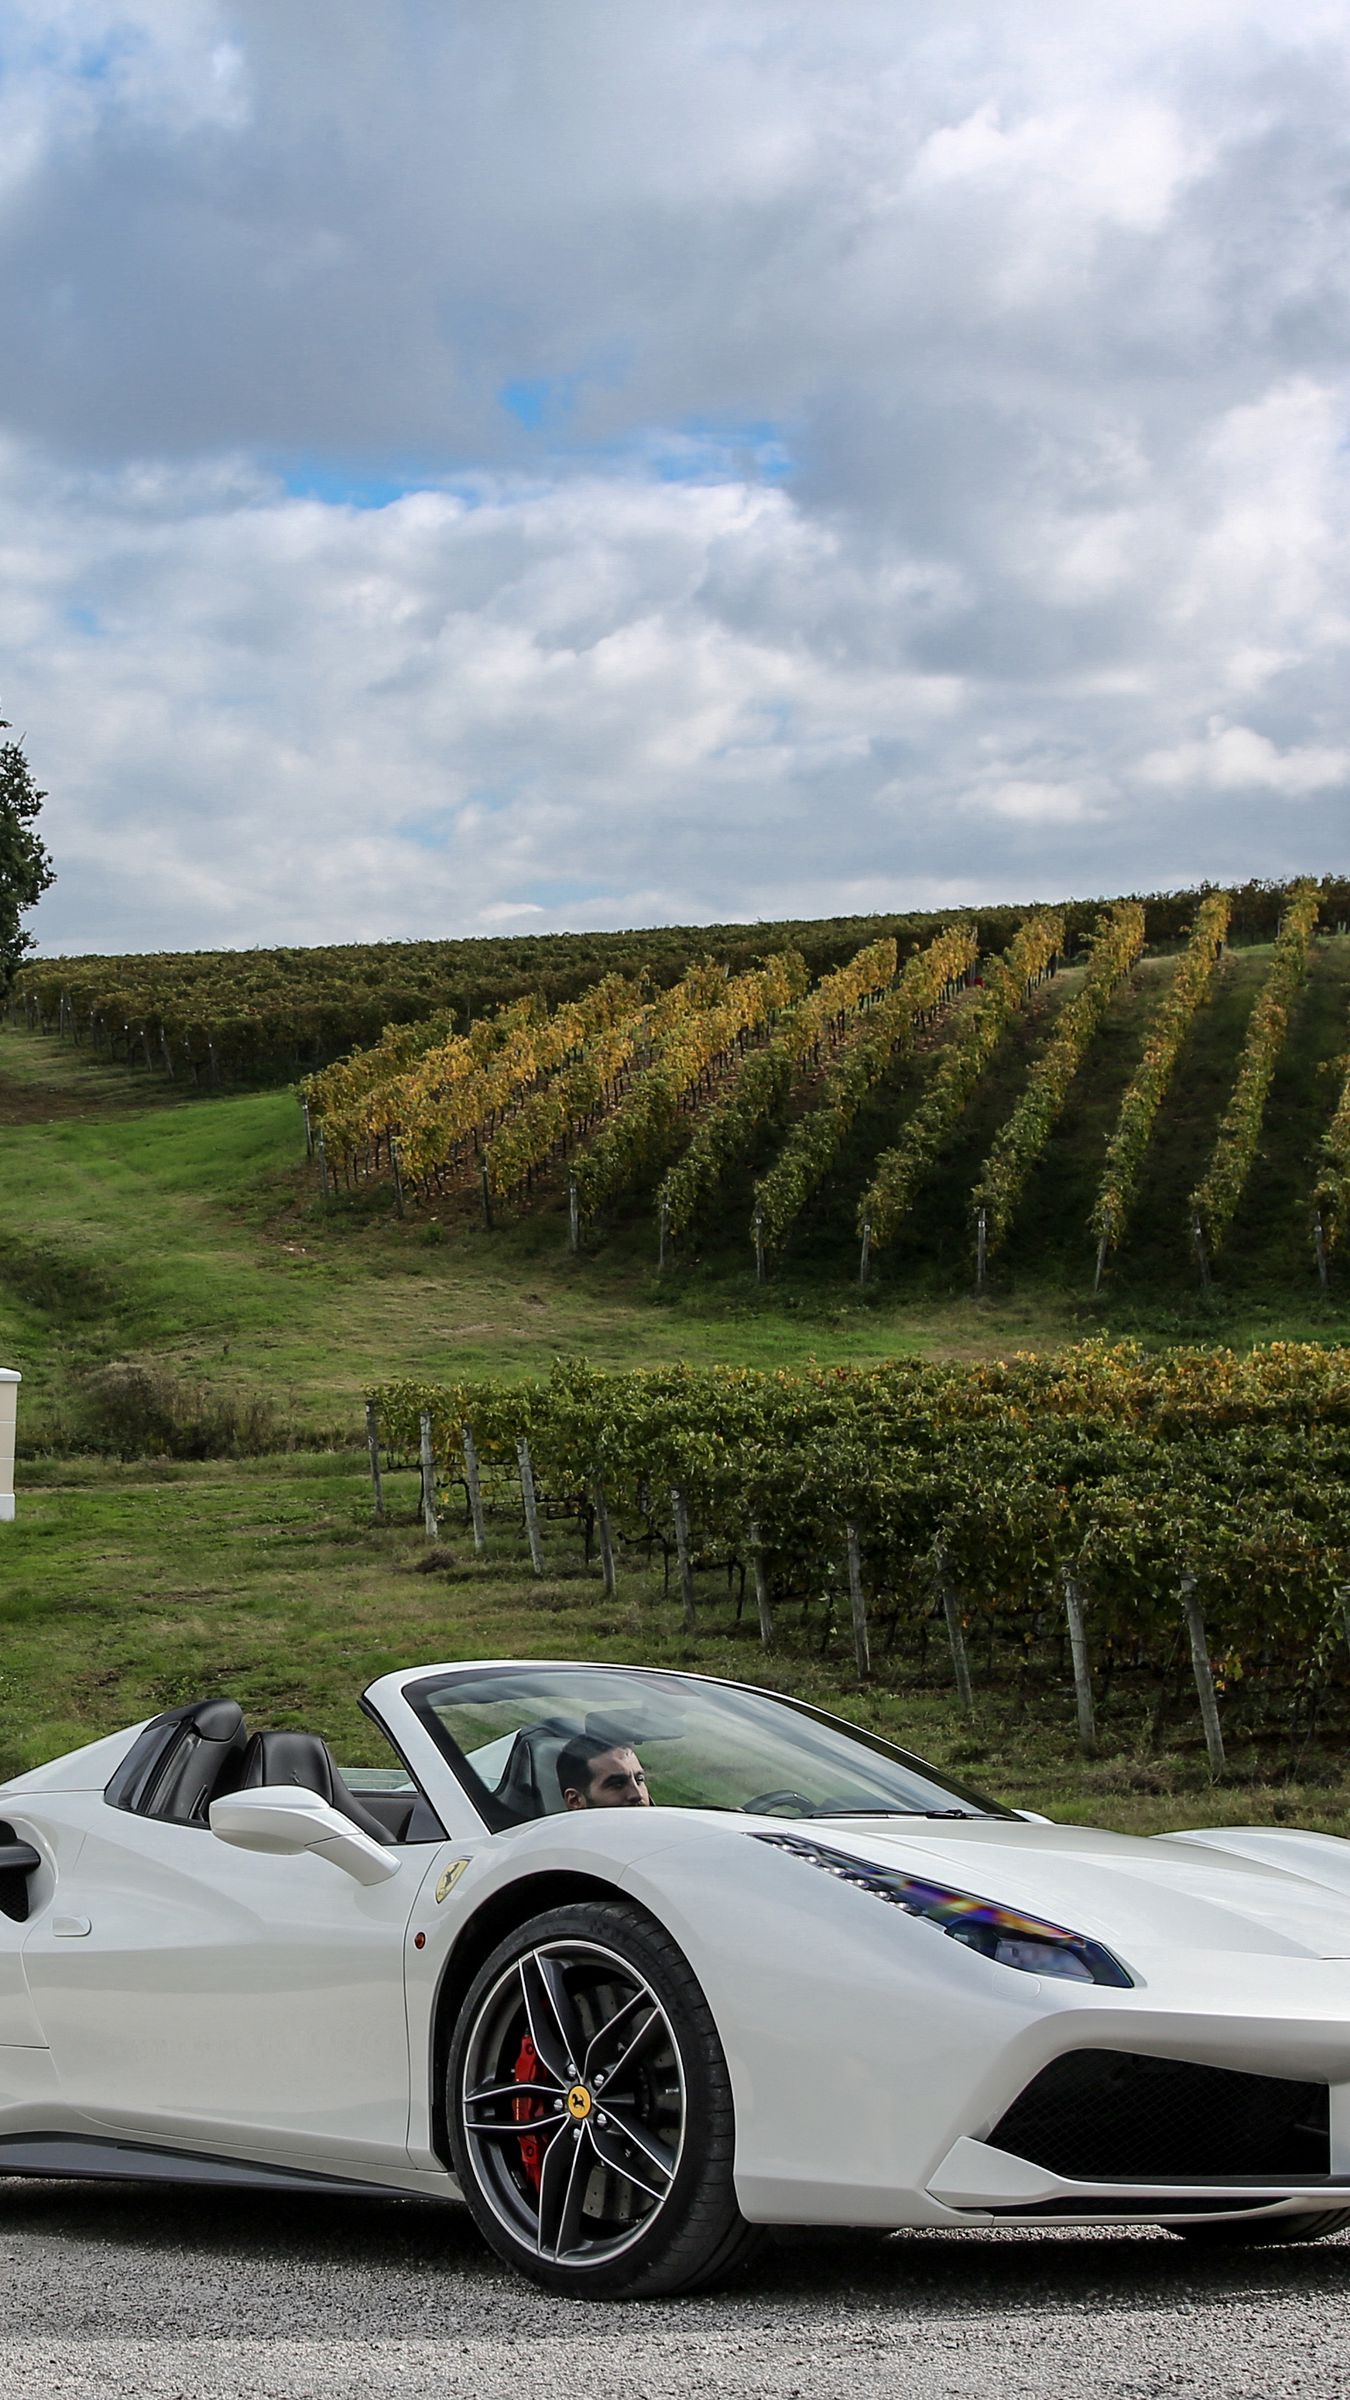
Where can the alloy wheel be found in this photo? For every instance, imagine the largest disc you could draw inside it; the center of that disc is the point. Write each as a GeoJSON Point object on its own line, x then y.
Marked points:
{"type": "Point", "coordinates": [573, 2102]}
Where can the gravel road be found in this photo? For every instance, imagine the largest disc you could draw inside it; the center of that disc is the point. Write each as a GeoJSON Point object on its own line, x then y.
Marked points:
{"type": "Point", "coordinates": [112, 2291]}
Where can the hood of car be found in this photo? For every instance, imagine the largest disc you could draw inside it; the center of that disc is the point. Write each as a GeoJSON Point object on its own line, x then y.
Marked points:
{"type": "Point", "coordinates": [1180, 1890]}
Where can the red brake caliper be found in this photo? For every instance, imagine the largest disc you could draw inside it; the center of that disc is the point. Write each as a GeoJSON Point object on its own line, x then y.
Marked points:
{"type": "Point", "coordinates": [526, 2111]}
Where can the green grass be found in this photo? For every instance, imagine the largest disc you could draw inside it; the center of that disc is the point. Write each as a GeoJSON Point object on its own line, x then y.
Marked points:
{"type": "Point", "coordinates": [138, 1224]}
{"type": "Point", "coordinates": [191, 1234]}
{"type": "Point", "coordinates": [129, 1589]}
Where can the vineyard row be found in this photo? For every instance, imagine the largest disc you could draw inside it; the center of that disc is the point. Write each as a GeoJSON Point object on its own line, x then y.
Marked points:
{"type": "Point", "coordinates": [210, 1017]}
{"type": "Point", "coordinates": [1189, 1490]}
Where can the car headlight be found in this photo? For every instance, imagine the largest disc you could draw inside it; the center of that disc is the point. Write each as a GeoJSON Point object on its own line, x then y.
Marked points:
{"type": "Point", "coordinates": [1003, 1934]}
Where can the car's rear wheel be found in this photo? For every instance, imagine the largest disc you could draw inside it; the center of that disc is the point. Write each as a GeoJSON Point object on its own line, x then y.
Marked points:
{"type": "Point", "coordinates": [590, 2109]}
{"type": "Point", "coordinates": [1245, 2233]}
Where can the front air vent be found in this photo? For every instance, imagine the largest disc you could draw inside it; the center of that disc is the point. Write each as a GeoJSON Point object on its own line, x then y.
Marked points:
{"type": "Point", "coordinates": [17, 1861]}
{"type": "Point", "coordinates": [1107, 2116]}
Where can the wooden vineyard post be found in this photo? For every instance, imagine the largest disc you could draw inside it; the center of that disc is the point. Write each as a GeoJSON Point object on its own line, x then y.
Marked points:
{"type": "Point", "coordinates": [475, 1492]}
{"type": "Point", "coordinates": [956, 1637]}
{"type": "Point", "coordinates": [681, 1516]}
{"type": "Point", "coordinates": [1204, 1674]}
{"type": "Point", "coordinates": [531, 1506]}
{"type": "Point", "coordinates": [1101, 1266]}
{"type": "Point", "coordinates": [981, 1248]}
{"type": "Point", "coordinates": [573, 1216]}
{"type": "Point", "coordinates": [309, 1130]}
{"type": "Point", "coordinates": [857, 1600]}
{"type": "Point", "coordinates": [865, 1256]}
{"type": "Point", "coordinates": [662, 1234]}
{"type": "Point", "coordinates": [1201, 1254]}
{"type": "Point", "coordinates": [1343, 1596]}
{"type": "Point", "coordinates": [757, 1228]}
{"type": "Point", "coordinates": [1082, 1673]}
{"type": "Point", "coordinates": [373, 1446]}
{"type": "Point", "coordinates": [396, 1164]}
{"type": "Point", "coordinates": [428, 1458]}
{"type": "Point", "coordinates": [1320, 1248]}
{"type": "Point", "coordinates": [323, 1165]}
{"type": "Point", "coordinates": [164, 1053]}
{"type": "Point", "coordinates": [761, 1585]}
{"type": "Point", "coordinates": [602, 1527]}
{"type": "Point", "coordinates": [487, 1195]}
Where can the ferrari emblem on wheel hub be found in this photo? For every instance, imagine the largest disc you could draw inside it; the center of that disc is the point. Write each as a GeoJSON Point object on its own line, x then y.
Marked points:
{"type": "Point", "coordinates": [579, 2104]}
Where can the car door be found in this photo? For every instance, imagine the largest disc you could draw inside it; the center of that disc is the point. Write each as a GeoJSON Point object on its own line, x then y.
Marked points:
{"type": "Point", "coordinates": [224, 1999]}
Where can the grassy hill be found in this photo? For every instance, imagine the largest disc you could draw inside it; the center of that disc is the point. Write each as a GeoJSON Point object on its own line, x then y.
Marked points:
{"type": "Point", "coordinates": [160, 1253]}
{"type": "Point", "coordinates": [137, 1223]}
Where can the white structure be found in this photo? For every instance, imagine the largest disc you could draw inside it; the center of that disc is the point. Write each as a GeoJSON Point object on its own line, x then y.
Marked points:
{"type": "Point", "coordinates": [10, 1380]}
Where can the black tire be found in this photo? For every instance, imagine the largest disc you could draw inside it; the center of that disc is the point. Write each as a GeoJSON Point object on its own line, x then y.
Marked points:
{"type": "Point", "coordinates": [1248, 2233]}
{"type": "Point", "coordinates": [624, 2196]}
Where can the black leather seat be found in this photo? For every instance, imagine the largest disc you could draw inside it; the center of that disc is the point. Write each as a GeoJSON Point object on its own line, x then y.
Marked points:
{"type": "Point", "coordinates": [529, 1785]}
{"type": "Point", "coordinates": [304, 1759]}
{"type": "Point", "coordinates": [181, 1760]}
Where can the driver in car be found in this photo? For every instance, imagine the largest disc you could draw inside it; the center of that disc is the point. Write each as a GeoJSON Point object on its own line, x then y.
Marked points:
{"type": "Point", "coordinates": [597, 1774]}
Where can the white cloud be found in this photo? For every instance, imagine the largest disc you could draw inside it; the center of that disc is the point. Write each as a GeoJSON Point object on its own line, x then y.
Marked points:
{"type": "Point", "coordinates": [853, 455]}
{"type": "Point", "coordinates": [1026, 803]}
{"type": "Point", "coordinates": [1233, 758]}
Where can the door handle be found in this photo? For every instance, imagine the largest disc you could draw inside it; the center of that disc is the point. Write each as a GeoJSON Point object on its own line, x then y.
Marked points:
{"type": "Point", "coordinates": [71, 1929]}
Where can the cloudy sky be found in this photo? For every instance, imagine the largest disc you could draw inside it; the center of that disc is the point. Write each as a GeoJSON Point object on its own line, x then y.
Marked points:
{"type": "Point", "coordinates": [479, 465]}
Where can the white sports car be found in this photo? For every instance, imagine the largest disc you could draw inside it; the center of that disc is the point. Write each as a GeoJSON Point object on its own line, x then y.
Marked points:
{"type": "Point", "coordinates": [811, 1983]}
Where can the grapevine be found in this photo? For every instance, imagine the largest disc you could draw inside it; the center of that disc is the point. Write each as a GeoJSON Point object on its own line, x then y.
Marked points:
{"type": "Point", "coordinates": [756, 1098]}
{"type": "Point", "coordinates": [692, 1048]}
{"type": "Point", "coordinates": [1009, 983]}
{"type": "Point", "coordinates": [1124, 1469]}
{"type": "Point", "coordinates": [565, 1106]}
{"type": "Point", "coordinates": [213, 1016]}
{"type": "Point", "coordinates": [764, 1080]}
{"type": "Point", "coordinates": [1331, 1198]}
{"type": "Point", "coordinates": [1021, 1139]}
{"type": "Point", "coordinates": [836, 997]}
{"type": "Point", "coordinates": [1126, 1150]}
{"type": "Point", "coordinates": [927, 983]}
{"type": "Point", "coordinates": [1215, 1199]}
{"type": "Point", "coordinates": [452, 1096]}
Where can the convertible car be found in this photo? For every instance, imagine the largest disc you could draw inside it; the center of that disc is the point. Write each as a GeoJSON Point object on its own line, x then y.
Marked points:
{"type": "Point", "coordinates": [798, 1978]}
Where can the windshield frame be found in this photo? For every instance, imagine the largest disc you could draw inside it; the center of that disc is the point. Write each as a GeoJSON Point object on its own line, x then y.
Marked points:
{"type": "Point", "coordinates": [418, 1689]}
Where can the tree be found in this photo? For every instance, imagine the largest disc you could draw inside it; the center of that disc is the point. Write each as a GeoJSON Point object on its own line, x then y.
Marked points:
{"type": "Point", "coordinates": [25, 868]}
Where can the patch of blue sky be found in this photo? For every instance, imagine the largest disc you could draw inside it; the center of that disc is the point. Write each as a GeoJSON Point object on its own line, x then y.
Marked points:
{"type": "Point", "coordinates": [695, 451]}
{"type": "Point", "coordinates": [547, 404]}
{"type": "Point", "coordinates": [433, 831]}
{"type": "Point", "coordinates": [541, 403]}
{"type": "Point", "coordinates": [91, 58]}
{"type": "Point", "coordinates": [83, 618]}
{"type": "Point", "coordinates": [701, 447]}
{"type": "Point", "coordinates": [342, 486]}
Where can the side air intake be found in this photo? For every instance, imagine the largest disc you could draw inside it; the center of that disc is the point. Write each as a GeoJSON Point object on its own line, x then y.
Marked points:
{"type": "Point", "coordinates": [17, 1861]}
{"type": "Point", "coordinates": [1107, 2116]}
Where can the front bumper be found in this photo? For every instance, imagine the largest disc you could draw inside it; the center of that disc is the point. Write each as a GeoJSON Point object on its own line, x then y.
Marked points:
{"type": "Point", "coordinates": [982, 2182]}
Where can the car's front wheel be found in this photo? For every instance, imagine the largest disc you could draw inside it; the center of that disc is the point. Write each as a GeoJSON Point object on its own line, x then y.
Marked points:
{"type": "Point", "coordinates": [590, 2109]}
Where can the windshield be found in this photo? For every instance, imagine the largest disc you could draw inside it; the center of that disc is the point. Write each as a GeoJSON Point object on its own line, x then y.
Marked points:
{"type": "Point", "coordinates": [699, 1744]}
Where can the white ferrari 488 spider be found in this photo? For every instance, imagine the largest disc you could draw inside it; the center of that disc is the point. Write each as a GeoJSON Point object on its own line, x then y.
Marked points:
{"type": "Point", "coordinates": [638, 1963]}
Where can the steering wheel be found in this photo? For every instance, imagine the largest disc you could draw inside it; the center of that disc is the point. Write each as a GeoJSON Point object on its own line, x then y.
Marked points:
{"type": "Point", "coordinates": [769, 1804]}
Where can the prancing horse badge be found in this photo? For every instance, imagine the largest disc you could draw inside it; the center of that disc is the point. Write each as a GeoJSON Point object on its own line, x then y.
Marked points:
{"type": "Point", "coordinates": [450, 1878]}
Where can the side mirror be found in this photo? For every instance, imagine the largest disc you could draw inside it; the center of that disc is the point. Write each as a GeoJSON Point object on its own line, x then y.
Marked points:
{"type": "Point", "coordinates": [283, 1821]}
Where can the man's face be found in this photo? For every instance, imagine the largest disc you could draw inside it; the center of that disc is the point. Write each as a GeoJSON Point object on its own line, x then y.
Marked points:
{"type": "Point", "coordinates": [618, 1780]}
